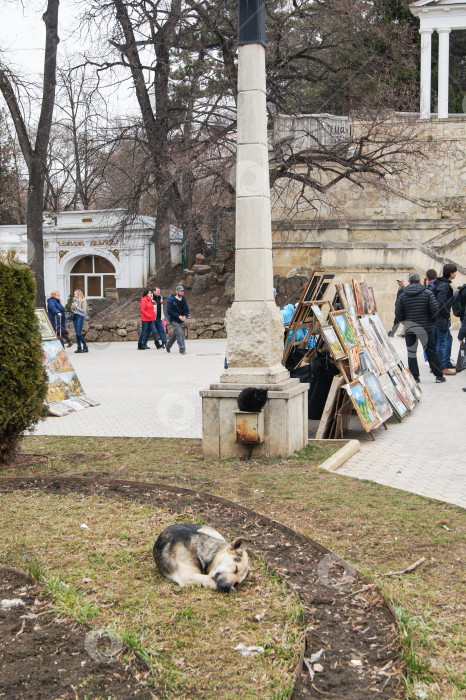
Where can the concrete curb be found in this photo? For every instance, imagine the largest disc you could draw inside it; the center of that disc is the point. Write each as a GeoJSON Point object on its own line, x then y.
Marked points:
{"type": "Point", "coordinates": [344, 453]}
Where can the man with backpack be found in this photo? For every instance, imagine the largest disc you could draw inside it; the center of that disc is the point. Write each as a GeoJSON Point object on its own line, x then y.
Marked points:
{"type": "Point", "coordinates": [443, 292]}
{"type": "Point", "coordinates": [177, 312]}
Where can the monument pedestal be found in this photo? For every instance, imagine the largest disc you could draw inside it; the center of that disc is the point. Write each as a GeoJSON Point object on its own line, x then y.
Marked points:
{"type": "Point", "coordinates": [285, 420]}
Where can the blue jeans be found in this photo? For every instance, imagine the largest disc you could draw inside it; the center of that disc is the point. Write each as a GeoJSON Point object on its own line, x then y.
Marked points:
{"type": "Point", "coordinates": [154, 327]}
{"type": "Point", "coordinates": [444, 340]}
{"type": "Point", "coordinates": [161, 331]}
{"type": "Point", "coordinates": [145, 332]}
{"type": "Point", "coordinates": [78, 326]}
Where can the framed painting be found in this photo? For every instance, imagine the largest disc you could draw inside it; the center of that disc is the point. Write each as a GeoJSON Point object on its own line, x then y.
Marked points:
{"type": "Point", "coordinates": [374, 353]}
{"type": "Point", "coordinates": [45, 327]}
{"type": "Point", "coordinates": [354, 362]}
{"type": "Point", "coordinates": [358, 297]}
{"type": "Point", "coordinates": [365, 298]}
{"type": "Point", "coordinates": [413, 385]}
{"type": "Point", "coordinates": [367, 362]}
{"type": "Point", "coordinates": [344, 329]}
{"type": "Point", "coordinates": [363, 405]}
{"type": "Point", "coordinates": [385, 339]}
{"type": "Point", "coordinates": [377, 396]}
{"type": "Point", "coordinates": [333, 342]}
{"type": "Point", "coordinates": [372, 303]}
{"type": "Point", "coordinates": [394, 398]}
{"type": "Point", "coordinates": [349, 294]}
{"type": "Point", "coordinates": [372, 333]}
{"type": "Point", "coordinates": [403, 390]}
{"type": "Point", "coordinates": [342, 300]}
{"type": "Point", "coordinates": [59, 408]}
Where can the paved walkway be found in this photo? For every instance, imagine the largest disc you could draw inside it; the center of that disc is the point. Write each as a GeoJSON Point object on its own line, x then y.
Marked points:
{"type": "Point", "coordinates": [148, 393]}
{"type": "Point", "coordinates": [156, 394]}
{"type": "Point", "coordinates": [425, 453]}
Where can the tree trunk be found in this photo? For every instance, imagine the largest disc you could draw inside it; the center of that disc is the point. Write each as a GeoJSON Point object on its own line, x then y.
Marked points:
{"type": "Point", "coordinates": [34, 228]}
{"type": "Point", "coordinates": [163, 260]}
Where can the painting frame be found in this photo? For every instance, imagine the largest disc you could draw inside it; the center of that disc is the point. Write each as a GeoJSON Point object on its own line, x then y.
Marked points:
{"type": "Point", "coordinates": [361, 399]}
{"type": "Point", "coordinates": [337, 351]}
{"type": "Point", "coordinates": [345, 330]}
{"type": "Point", "coordinates": [354, 362]}
{"type": "Point", "coordinates": [377, 395]}
{"type": "Point", "coordinates": [45, 327]}
{"type": "Point", "coordinates": [372, 302]}
{"type": "Point", "coordinates": [368, 363]}
{"type": "Point", "coordinates": [358, 297]}
{"type": "Point", "coordinates": [399, 408]}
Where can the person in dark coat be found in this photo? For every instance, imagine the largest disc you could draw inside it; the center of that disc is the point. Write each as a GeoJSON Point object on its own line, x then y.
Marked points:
{"type": "Point", "coordinates": [57, 315]}
{"type": "Point", "coordinates": [444, 294]}
{"type": "Point", "coordinates": [177, 312]}
{"type": "Point", "coordinates": [157, 300]}
{"type": "Point", "coordinates": [417, 309]}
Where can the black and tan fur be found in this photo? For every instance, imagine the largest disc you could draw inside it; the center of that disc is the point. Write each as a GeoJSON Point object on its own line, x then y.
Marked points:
{"type": "Point", "coordinates": [192, 554]}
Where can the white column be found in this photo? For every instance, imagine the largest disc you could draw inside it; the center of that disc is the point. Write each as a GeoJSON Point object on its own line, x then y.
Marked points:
{"type": "Point", "coordinates": [426, 71]}
{"type": "Point", "coordinates": [254, 324]}
{"type": "Point", "coordinates": [443, 71]}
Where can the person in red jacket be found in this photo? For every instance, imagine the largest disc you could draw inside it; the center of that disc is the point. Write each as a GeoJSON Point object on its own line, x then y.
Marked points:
{"type": "Point", "coordinates": [147, 319]}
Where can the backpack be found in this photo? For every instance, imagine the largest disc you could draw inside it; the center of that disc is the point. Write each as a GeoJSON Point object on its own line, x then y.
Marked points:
{"type": "Point", "coordinates": [458, 304]}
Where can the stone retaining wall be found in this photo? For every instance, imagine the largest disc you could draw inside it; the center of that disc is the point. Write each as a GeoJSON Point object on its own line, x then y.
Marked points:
{"type": "Point", "coordinates": [122, 331]}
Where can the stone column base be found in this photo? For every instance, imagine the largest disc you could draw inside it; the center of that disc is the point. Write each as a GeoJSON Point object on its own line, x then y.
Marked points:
{"type": "Point", "coordinates": [285, 421]}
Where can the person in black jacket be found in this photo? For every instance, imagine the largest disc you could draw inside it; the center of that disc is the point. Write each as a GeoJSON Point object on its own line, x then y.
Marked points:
{"type": "Point", "coordinates": [157, 300]}
{"type": "Point", "coordinates": [444, 294]}
{"type": "Point", "coordinates": [177, 312]}
{"type": "Point", "coordinates": [417, 309]}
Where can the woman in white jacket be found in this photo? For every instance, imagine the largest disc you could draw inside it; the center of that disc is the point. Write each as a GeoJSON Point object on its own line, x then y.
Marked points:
{"type": "Point", "coordinates": [78, 307]}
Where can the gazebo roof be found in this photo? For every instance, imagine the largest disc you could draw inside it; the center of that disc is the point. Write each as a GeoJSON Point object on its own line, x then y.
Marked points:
{"type": "Point", "coordinates": [440, 14]}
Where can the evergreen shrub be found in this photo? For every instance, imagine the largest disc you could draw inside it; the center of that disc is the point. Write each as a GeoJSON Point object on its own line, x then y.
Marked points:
{"type": "Point", "coordinates": [23, 382]}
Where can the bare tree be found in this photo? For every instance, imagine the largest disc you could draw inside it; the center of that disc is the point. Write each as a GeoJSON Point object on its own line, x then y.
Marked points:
{"type": "Point", "coordinates": [35, 154]}
{"type": "Point", "coordinates": [12, 183]}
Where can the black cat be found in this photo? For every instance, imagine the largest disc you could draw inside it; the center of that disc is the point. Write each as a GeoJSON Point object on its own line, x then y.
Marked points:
{"type": "Point", "coordinates": [252, 399]}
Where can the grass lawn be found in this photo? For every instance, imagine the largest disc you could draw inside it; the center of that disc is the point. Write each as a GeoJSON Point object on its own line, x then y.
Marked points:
{"type": "Point", "coordinates": [377, 528]}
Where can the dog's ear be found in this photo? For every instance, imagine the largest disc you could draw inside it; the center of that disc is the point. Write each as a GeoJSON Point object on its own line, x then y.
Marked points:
{"type": "Point", "coordinates": [238, 545]}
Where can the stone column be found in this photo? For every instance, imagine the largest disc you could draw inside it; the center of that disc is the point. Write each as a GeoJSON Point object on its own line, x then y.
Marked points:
{"type": "Point", "coordinates": [443, 71]}
{"type": "Point", "coordinates": [426, 71]}
{"type": "Point", "coordinates": [254, 323]}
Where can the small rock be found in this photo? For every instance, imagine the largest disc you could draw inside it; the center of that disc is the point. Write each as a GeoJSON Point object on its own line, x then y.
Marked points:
{"type": "Point", "coordinates": [8, 604]}
{"type": "Point", "coordinates": [84, 527]}
{"type": "Point", "coordinates": [355, 662]}
{"type": "Point", "coordinates": [318, 668]}
{"type": "Point", "coordinates": [421, 691]}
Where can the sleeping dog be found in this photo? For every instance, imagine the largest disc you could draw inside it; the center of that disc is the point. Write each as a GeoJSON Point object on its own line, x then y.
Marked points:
{"type": "Point", "coordinates": [192, 554]}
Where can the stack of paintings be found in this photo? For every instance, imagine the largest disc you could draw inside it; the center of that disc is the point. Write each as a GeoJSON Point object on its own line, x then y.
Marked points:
{"type": "Point", "coordinates": [64, 392]}
{"type": "Point", "coordinates": [375, 380]}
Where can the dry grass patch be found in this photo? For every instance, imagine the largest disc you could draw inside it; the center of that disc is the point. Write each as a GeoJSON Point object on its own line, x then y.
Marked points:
{"type": "Point", "coordinates": [105, 575]}
{"type": "Point", "coordinates": [377, 528]}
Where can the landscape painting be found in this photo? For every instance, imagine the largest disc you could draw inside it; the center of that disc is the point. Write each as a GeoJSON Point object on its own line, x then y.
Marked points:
{"type": "Point", "coordinates": [333, 343]}
{"type": "Point", "coordinates": [45, 327]}
{"type": "Point", "coordinates": [375, 391]}
{"type": "Point", "coordinates": [363, 405]}
{"type": "Point", "coordinates": [345, 330]}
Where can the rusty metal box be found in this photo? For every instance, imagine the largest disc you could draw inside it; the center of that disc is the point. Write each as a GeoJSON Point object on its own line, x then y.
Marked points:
{"type": "Point", "coordinates": [249, 427]}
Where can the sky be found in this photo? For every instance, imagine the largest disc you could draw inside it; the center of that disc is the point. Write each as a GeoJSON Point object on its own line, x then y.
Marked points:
{"type": "Point", "coordinates": [22, 40]}
{"type": "Point", "coordinates": [22, 31]}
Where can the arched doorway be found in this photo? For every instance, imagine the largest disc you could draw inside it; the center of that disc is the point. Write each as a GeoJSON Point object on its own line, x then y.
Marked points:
{"type": "Point", "coordinates": [92, 274]}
